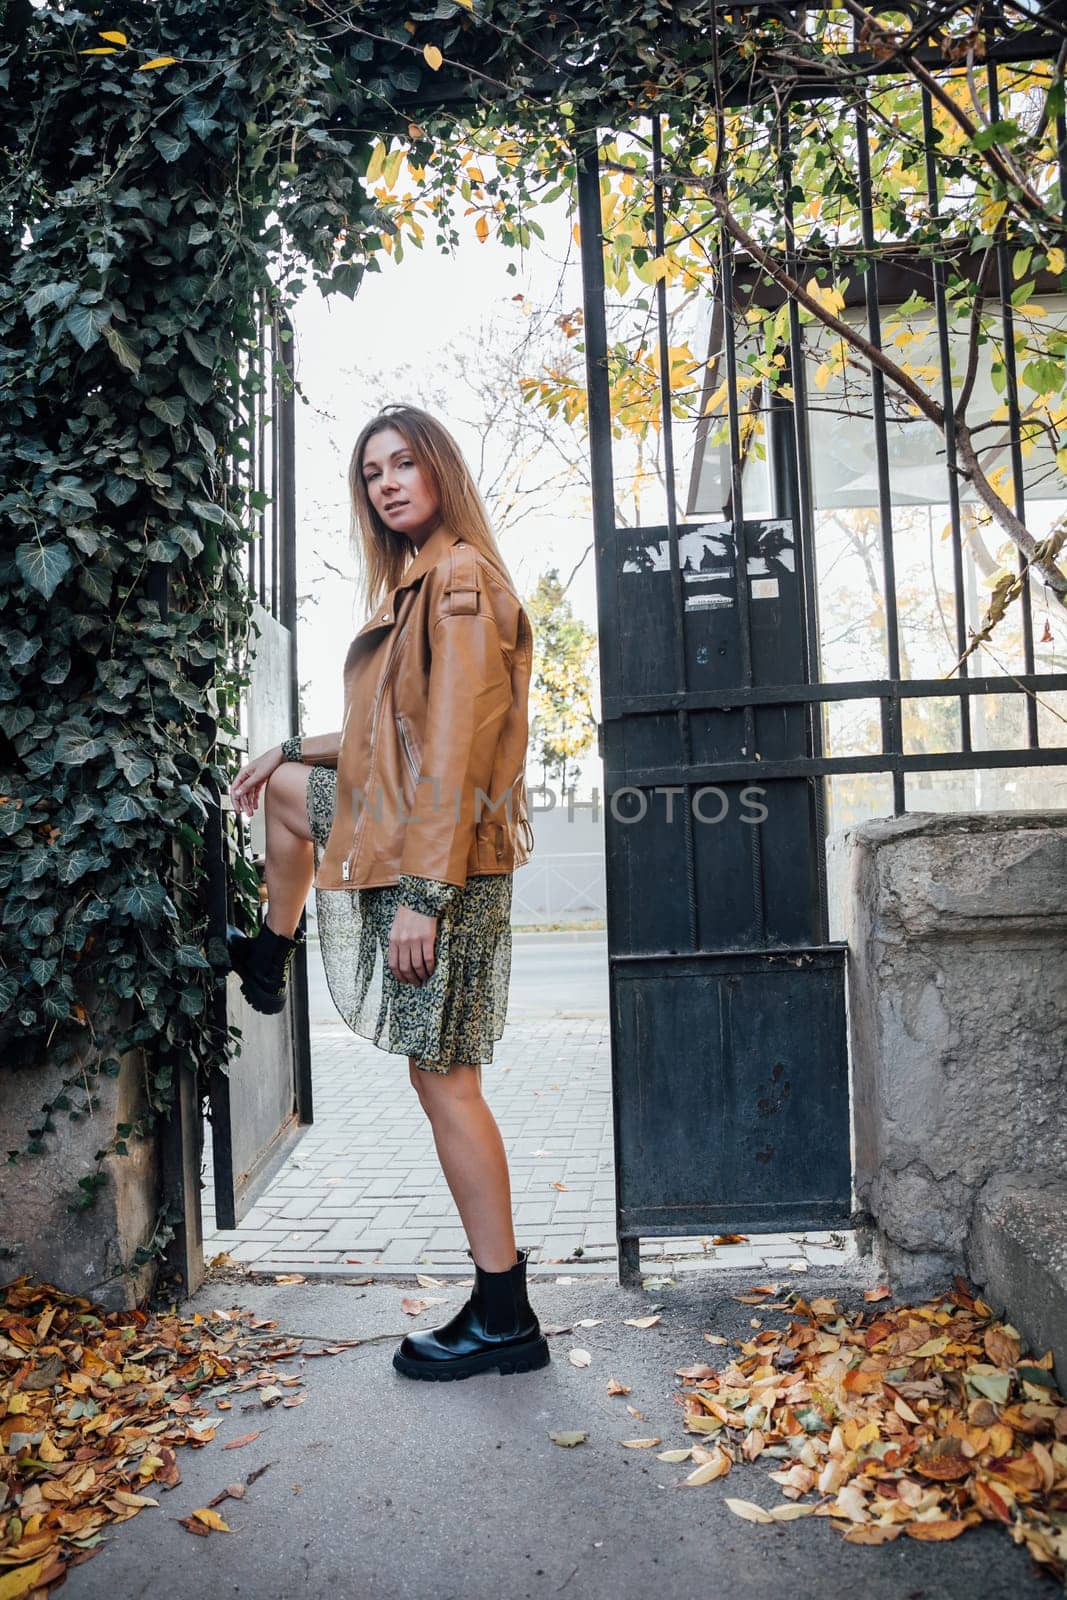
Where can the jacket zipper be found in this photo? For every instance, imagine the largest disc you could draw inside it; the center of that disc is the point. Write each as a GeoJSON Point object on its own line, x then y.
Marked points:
{"type": "Point", "coordinates": [407, 748]}
{"type": "Point", "coordinates": [346, 865]}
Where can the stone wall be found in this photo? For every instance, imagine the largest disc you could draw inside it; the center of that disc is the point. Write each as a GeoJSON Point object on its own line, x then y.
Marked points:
{"type": "Point", "coordinates": [957, 934]}
{"type": "Point", "coordinates": [79, 1251]}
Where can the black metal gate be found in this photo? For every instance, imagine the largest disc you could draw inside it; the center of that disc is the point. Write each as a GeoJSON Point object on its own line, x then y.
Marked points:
{"type": "Point", "coordinates": [261, 1104]}
{"type": "Point", "coordinates": [728, 1030]}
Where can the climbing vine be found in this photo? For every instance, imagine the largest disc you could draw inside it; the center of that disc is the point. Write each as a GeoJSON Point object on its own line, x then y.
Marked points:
{"type": "Point", "coordinates": [164, 171]}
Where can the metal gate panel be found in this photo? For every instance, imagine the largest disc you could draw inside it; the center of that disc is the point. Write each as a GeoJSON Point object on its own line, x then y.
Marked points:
{"type": "Point", "coordinates": [262, 1104]}
{"type": "Point", "coordinates": [723, 1121]}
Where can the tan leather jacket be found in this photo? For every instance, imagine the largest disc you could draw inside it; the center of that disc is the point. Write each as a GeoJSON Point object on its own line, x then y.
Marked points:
{"type": "Point", "coordinates": [432, 755]}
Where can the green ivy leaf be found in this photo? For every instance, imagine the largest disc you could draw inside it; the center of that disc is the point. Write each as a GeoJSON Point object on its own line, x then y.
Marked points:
{"type": "Point", "coordinates": [169, 409]}
{"type": "Point", "coordinates": [86, 323]}
{"type": "Point", "coordinates": [44, 566]}
{"type": "Point", "coordinates": [121, 349]}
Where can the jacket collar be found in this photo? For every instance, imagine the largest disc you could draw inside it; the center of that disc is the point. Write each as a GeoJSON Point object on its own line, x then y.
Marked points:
{"type": "Point", "coordinates": [435, 547]}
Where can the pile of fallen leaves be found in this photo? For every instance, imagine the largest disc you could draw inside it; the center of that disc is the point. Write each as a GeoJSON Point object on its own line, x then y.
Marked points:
{"type": "Point", "coordinates": [922, 1420]}
{"type": "Point", "coordinates": [92, 1407]}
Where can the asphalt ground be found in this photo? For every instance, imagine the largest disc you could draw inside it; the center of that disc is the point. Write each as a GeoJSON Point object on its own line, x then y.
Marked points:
{"type": "Point", "coordinates": [382, 1488]}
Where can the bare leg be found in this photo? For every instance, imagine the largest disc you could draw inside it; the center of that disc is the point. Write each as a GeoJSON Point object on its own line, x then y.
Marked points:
{"type": "Point", "coordinates": [290, 866]}
{"type": "Point", "coordinates": [472, 1158]}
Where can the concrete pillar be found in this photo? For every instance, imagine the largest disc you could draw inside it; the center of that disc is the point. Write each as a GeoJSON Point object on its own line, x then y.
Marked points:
{"type": "Point", "coordinates": [957, 934]}
{"type": "Point", "coordinates": [79, 1252]}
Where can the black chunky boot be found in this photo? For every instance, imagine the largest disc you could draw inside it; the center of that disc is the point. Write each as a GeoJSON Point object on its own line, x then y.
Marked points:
{"type": "Point", "coordinates": [496, 1328]}
{"type": "Point", "coordinates": [262, 964]}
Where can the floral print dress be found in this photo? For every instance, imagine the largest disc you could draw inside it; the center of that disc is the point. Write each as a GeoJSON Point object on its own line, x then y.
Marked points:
{"type": "Point", "coordinates": [460, 1011]}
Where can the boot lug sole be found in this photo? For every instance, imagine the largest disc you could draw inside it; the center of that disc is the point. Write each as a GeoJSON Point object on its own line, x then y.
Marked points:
{"type": "Point", "coordinates": [522, 1358]}
{"type": "Point", "coordinates": [261, 1000]}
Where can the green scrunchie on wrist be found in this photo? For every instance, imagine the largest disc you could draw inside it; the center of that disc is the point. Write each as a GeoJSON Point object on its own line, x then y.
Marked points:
{"type": "Point", "coordinates": [426, 895]}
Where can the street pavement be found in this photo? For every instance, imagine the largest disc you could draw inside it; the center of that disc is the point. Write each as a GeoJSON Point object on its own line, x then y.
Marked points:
{"type": "Point", "coordinates": [364, 1187]}
{"type": "Point", "coordinates": [376, 1487]}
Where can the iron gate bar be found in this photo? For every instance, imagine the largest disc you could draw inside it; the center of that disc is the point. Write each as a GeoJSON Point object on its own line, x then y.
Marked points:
{"type": "Point", "coordinates": [802, 509]}
{"type": "Point", "coordinates": [719, 772]}
{"type": "Point", "coordinates": [736, 518]}
{"type": "Point", "coordinates": [615, 706]}
{"type": "Point", "coordinates": [1015, 426]}
{"type": "Point", "coordinates": [949, 406]}
{"type": "Point", "coordinates": [677, 585]}
{"type": "Point", "coordinates": [891, 731]}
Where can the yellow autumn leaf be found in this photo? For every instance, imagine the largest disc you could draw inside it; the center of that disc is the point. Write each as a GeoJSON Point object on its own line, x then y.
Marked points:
{"type": "Point", "coordinates": [481, 228]}
{"type": "Point", "coordinates": [576, 234]}
{"type": "Point", "coordinates": [113, 37]}
{"type": "Point", "coordinates": [22, 1580]}
{"type": "Point", "coordinates": [717, 1467]}
{"type": "Point", "coordinates": [99, 50]}
{"type": "Point", "coordinates": [211, 1519]}
{"type": "Point", "coordinates": [1056, 260]}
{"type": "Point", "coordinates": [468, 5]}
{"type": "Point", "coordinates": [157, 61]}
{"type": "Point", "coordinates": [748, 1511]}
{"type": "Point", "coordinates": [376, 162]}
{"type": "Point", "coordinates": [433, 57]}
{"type": "Point", "coordinates": [657, 268]}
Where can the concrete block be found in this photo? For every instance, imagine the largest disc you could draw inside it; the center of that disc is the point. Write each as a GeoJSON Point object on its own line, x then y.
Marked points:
{"type": "Point", "coordinates": [957, 987]}
{"type": "Point", "coordinates": [1017, 1252]}
{"type": "Point", "coordinates": [82, 1252]}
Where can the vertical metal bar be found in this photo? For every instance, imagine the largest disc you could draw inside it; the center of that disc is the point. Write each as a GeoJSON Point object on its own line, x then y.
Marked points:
{"type": "Point", "coordinates": [270, 327]}
{"type": "Point", "coordinates": [602, 474]}
{"type": "Point", "coordinates": [881, 445]}
{"type": "Point", "coordinates": [948, 402]}
{"type": "Point", "coordinates": [260, 401]}
{"type": "Point", "coordinates": [602, 484]}
{"type": "Point", "coordinates": [803, 512]}
{"type": "Point", "coordinates": [737, 519]}
{"type": "Point", "coordinates": [1004, 277]}
{"type": "Point", "coordinates": [681, 676]}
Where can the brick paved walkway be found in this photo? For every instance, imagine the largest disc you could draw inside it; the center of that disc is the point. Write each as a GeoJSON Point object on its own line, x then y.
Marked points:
{"type": "Point", "coordinates": [364, 1189]}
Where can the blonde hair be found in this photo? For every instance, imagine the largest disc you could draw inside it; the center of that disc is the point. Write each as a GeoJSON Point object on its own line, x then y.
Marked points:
{"type": "Point", "coordinates": [385, 553]}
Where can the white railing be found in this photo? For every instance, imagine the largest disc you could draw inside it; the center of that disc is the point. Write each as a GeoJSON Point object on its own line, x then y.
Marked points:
{"type": "Point", "coordinates": [552, 888]}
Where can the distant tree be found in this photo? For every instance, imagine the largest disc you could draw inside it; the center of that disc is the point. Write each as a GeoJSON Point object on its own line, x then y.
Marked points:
{"type": "Point", "coordinates": [563, 724]}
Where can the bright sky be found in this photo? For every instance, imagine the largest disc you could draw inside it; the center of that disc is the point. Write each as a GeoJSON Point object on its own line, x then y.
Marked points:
{"type": "Point", "coordinates": [407, 316]}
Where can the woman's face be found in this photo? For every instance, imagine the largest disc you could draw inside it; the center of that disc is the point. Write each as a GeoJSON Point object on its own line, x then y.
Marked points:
{"type": "Point", "coordinates": [400, 492]}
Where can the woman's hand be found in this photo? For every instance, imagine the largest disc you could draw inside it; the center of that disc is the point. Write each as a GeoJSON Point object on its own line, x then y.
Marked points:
{"type": "Point", "coordinates": [411, 946]}
{"type": "Point", "coordinates": [246, 787]}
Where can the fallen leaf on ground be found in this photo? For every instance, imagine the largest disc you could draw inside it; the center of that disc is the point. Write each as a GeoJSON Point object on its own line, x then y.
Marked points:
{"type": "Point", "coordinates": [918, 1419]}
{"type": "Point", "coordinates": [415, 1306]}
{"type": "Point", "coordinates": [641, 1322]}
{"type": "Point", "coordinates": [748, 1511]}
{"type": "Point", "coordinates": [615, 1387]}
{"type": "Point", "coordinates": [639, 1444]}
{"type": "Point", "coordinates": [881, 1293]}
{"type": "Point", "coordinates": [128, 1387]}
{"type": "Point", "coordinates": [730, 1238]}
{"type": "Point", "coordinates": [568, 1440]}
{"type": "Point", "coordinates": [239, 1443]}
{"type": "Point", "coordinates": [426, 1282]}
{"type": "Point", "coordinates": [717, 1466]}
{"type": "Point", "coordinates": [212, 1520]}
{"type": "Point", "coordinates": [579, 1358]}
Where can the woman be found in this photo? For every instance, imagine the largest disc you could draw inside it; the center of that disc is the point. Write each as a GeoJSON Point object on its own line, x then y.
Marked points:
{"type": "Point", "coordinates": [418, 806]}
